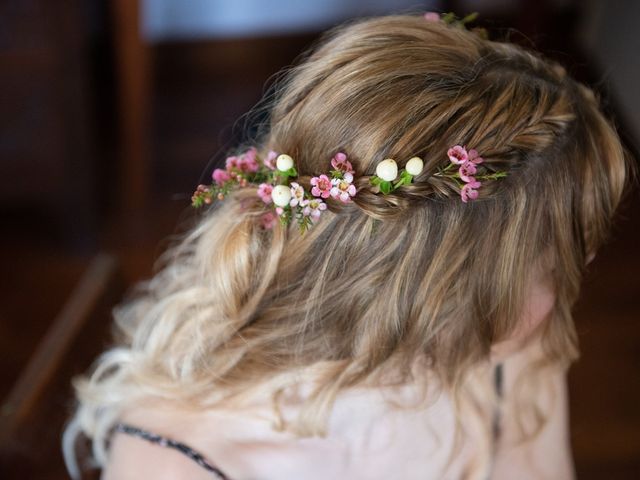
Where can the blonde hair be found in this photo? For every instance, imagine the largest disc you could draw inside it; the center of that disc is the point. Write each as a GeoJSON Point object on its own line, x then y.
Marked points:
{"type": "Point", "coordinates": [385, 280]}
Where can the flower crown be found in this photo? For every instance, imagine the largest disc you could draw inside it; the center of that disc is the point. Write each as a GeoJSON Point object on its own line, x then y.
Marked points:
{"type": "Point", "coordinates": [288, 200]}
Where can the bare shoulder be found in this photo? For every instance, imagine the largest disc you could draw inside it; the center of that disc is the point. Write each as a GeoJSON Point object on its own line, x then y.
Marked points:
{"type": "Point", "coordinates": [218, 435]}
{"type": "Point", "coordinates": [207, 434]}
{"type": "Point", "coordinates": [133, 458]}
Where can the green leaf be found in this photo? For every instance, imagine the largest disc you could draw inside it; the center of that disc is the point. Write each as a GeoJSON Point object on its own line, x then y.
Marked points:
{"type": "Point", "coordinates": [385, 187]}
{"type": "Point", "coordinates": [291, 172]}
{"type": "Point", "coordinates": [338, 174]}
{"type": "Point", "coordinates": [304, 224]}
{"type": "Point", "coordinates": [448, 17]}
{"type": "Point", "coordinates": [469, 18]}
{"type": "Point", "coordinates": [375, 180]}
{"type": "Point", "coordinates": [405, 179]}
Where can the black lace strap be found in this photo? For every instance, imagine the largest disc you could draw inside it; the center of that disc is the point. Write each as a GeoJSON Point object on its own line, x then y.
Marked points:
{"type": "Point", "coordinates": [167, 442]}
{"type": "Point", "coordinates": [498, 383]}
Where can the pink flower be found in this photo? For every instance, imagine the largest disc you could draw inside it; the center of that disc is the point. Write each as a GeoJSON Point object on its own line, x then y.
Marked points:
{"type": "Point", "coordinates": [343, 188]}
{"type": "Point", "coordinates": [340, 163]}
{"type": "Point", "coordinates": [467, 170]}
{"type": "Point", "coordinates": [321, 186]}
{"type": "Point", "coordinates": [202, 189]}
{"type": "Point", "coordinates": [458, 155]}
{"type": "Point", "coordinates": [279, 210]}
{"type": "Point", "coordinates": [297, 194]}
{"type": "Point", "coordinates": [469, 191]}
{"type": "Point", "coordinates": [432, 17]}
{"type": "Point", "coordinates": [264, 192]}
{"type": "Point", "coordinates": [269, 162]}
{"type": "Point", "coordinates": [250, 154]}
{"type": "Point", "coordinates": [268, 220]}
{"type": "Point", "coordinates": [232, 163]}
{"type": "Point", "coordinates": [248, 162]}
{"type": "Point", "coordinates": [467, 167]}
{"type": "Point", "coordinates": [313, 207]}
{"type": "Point", "coordinates": [220, 176]}
{"type": "Point", "coordinates": [474, 157]}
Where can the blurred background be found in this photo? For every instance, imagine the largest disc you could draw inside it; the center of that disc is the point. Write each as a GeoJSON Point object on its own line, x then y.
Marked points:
{"type": "Point", "coordinates": [111, 112]}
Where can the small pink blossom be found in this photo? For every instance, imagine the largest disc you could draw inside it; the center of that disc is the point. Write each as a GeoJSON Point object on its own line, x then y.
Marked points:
{"type": "Point", "coordinates": [270, 161]}
{"type": "Point", "coordinates": [248, 162]}
{"type": "Point", "coordinates": [340, 163]}
{"type": "Point", "coordinates": [201, 193]}
{"type": "Point", "coordinates": [264, 192]}
{"type": "Point", "coordinates": [220, 176]}
{"type": "Point", "coordinates": [232, 163]}
{"type": "Point", "coordinates": [432, 17]}
{"type": "Point", "coordinates": [343, 188]}
{"type": "Point", "coordinates": [244, 163]}
{"type": "Point", "coordinates": [268, 220]}
{"type": "Point", "coordinates": [250, 154]}
{"type": "Point", "coordinates": [475, 157]}
{"type": "Point", "coordinates": [469, 191]}
{"type": "Point", "coordinates": [202, 189]}
{"type": "Point", "coordinates": [297, 194]}
{"type": "Point", "coordinates": [279, 210]}
{"type": "Point", "coordinates": [458, 155]}
{"type": "Point", "coordinates": [313, 207]}
{"type": "Point", "coordinates": [467, 170]}
{"type": "Point", "coordinates": [321, 186]}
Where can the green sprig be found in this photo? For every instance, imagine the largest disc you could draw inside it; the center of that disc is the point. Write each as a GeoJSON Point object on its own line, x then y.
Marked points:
{"type": "Point", "coordinates": [386, 187]}
{"type": "Point", "coordinates": [455, 176]}
{"type": "Point", "coordinates": [451, 18]}
{"type": "Point", "coordinates": [405, 179]}
{"type": "Point", "coordinates": [336, 174]}
{"type": "Point", "coordinates": [492, 176]}
{"type": "Point", "coordinates": [292, 172]}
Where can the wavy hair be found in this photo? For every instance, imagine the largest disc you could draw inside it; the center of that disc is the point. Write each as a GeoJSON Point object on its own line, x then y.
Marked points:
{"type": "Point", "coordinates": [386, 279]}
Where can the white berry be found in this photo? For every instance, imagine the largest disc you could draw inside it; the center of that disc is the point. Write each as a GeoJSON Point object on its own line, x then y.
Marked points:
{"type": "Point", "coordinates": [414, 166]}
{"type": "Point", "coordinates": [281, 194]}
{"type": "Point", "coordinates": [284, 162]}
{"type": "Point", "coordinates": [387, 170]}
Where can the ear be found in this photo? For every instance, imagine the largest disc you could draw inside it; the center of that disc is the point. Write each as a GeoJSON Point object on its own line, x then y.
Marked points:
{"type": "Point", "coordinates": [538, 305]}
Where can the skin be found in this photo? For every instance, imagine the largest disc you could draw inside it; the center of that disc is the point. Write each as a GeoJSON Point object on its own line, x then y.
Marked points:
{"type": "Point", "coordinates": [131, 458]}
{"type": "Point", "coordinates": [537, 309]}
{"type": "Point", "coordinates": [548, 455]}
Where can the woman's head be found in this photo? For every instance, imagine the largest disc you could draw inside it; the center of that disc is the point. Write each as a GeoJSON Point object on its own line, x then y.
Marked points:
{"type": "Point", "coordinates": [386, 280]}
{"type": "Point", "coordinates": [435, 274]}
